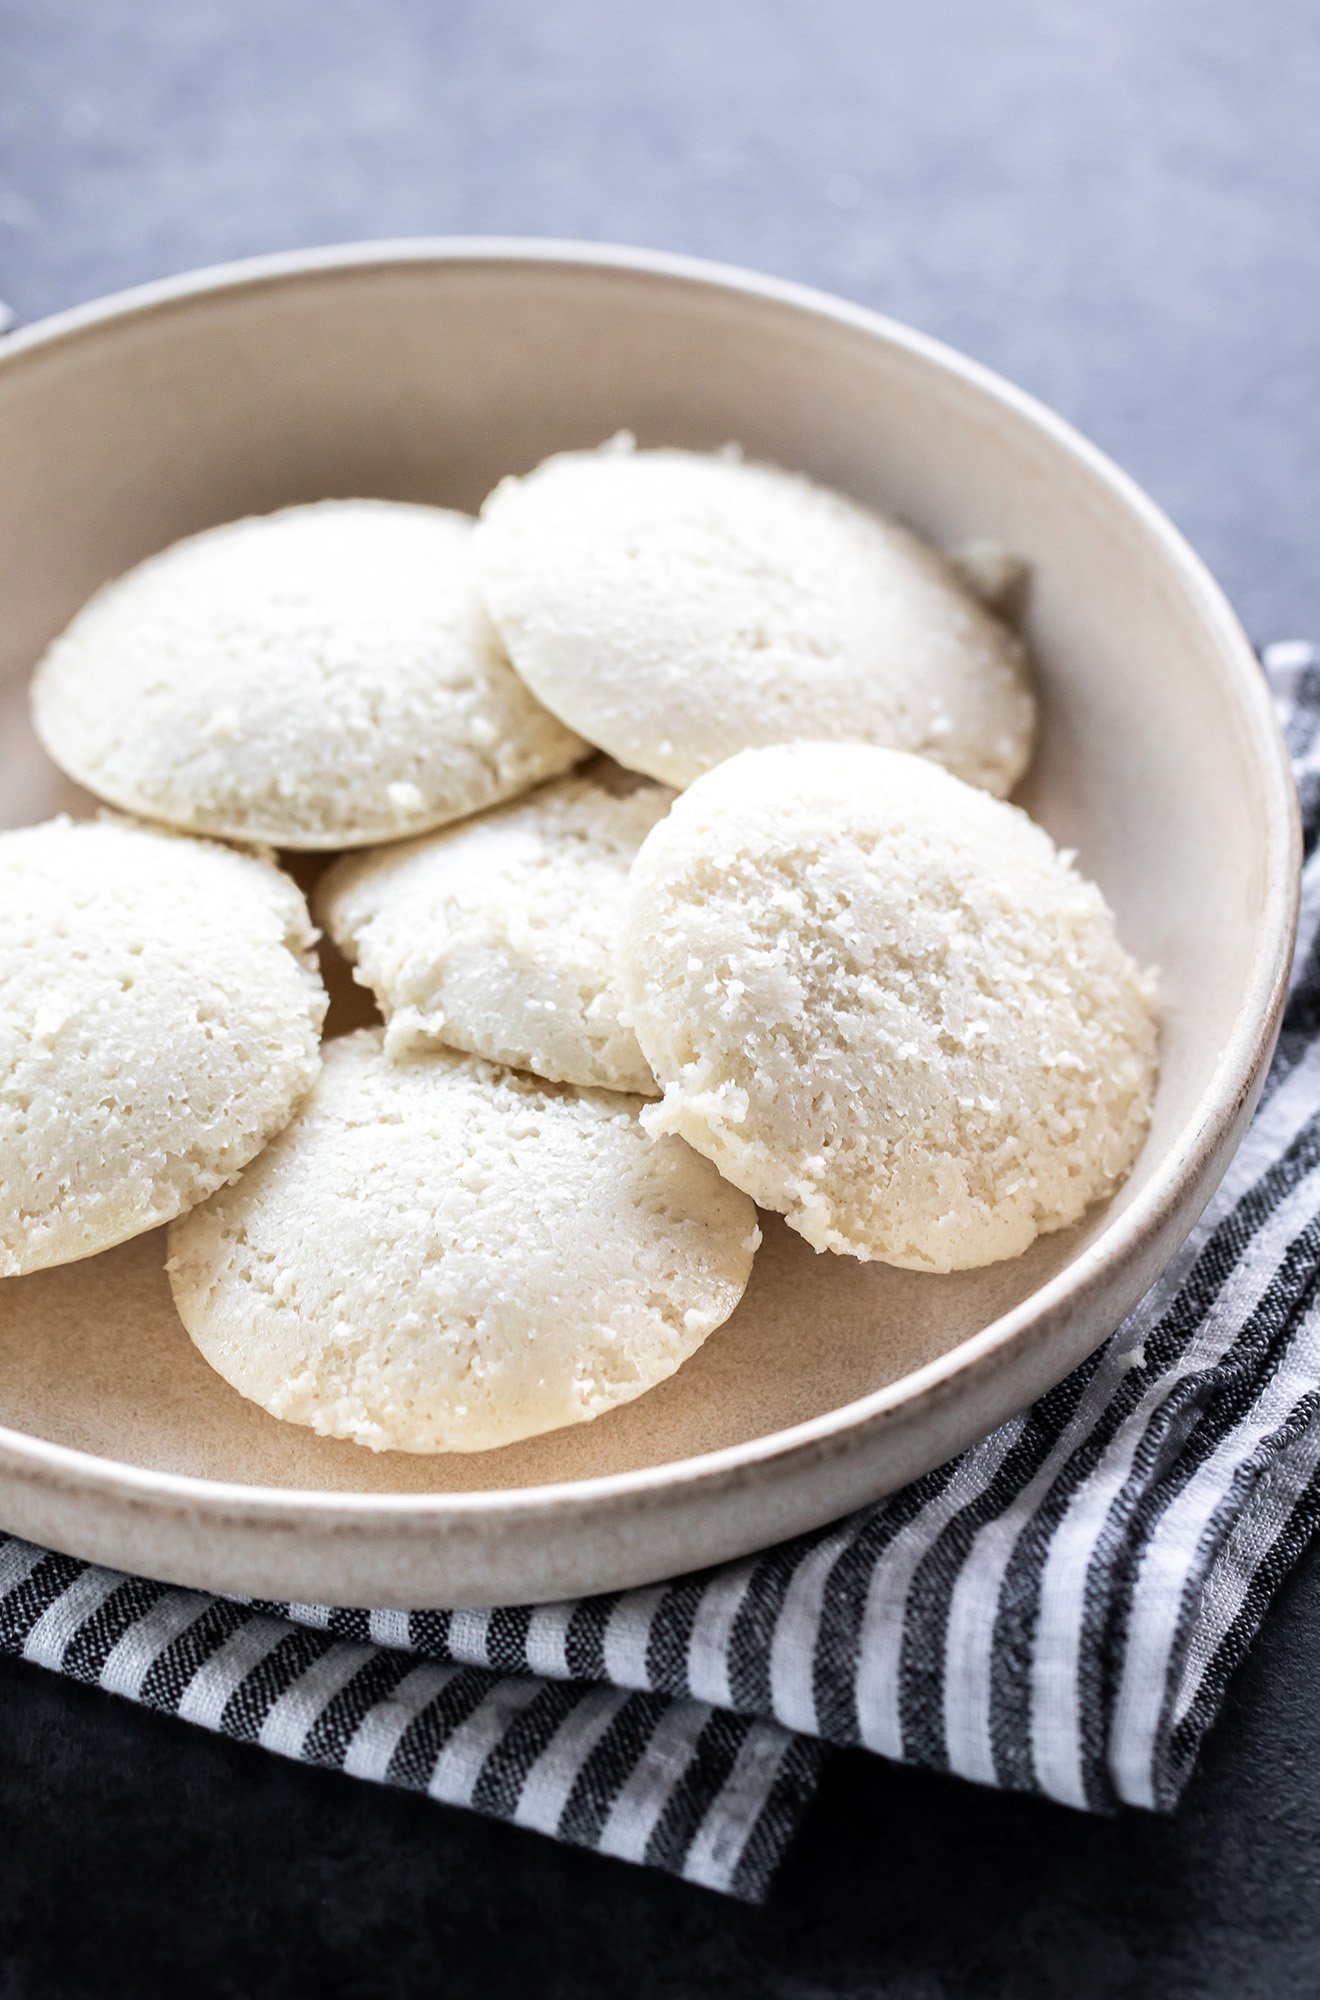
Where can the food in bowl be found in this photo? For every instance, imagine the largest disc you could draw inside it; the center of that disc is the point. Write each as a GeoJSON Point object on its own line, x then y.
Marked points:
{"type": "Point", "coordinates": [499, 935]}
{"type": "Point", "coordinates": [675, 607]}
{"type": "Point", "coordinates": [160, 1016]}
{"type": "Point", "coordinates": [322, 677]}
{"type": "Point", "coordinates": [873, 994]}
{"type": "Point", "coordinates": [442, 1255]}
{"type": "Point", "coordinates": [884, 1003]}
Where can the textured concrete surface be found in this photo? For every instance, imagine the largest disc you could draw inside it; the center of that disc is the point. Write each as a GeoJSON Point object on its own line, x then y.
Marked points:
{"type": "Point", "coordinates": [1115, 204]}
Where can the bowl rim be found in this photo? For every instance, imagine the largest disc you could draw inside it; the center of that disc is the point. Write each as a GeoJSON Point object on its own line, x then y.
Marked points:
{"type": "Point", "coordinates": [1237, 1071]}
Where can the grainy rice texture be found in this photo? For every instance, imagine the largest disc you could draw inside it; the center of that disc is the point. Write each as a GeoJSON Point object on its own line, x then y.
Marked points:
{"type": "Point", "coordinates": [676, 608]}
{"type": "Point", "coordinates": [440, 1255]}
{"type": "Point", "coordinates": [884, 1003]}
{"type": "Point", "coordinates": [322, 677]}
{"type": "Point", "coordinates": [499, 935]}
{"type": "Point", "coordinates": [159, 1017]}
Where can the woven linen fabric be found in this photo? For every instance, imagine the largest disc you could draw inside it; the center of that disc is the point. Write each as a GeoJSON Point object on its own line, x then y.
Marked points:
{"type": "Point", "coordinates": [1057, 1610]}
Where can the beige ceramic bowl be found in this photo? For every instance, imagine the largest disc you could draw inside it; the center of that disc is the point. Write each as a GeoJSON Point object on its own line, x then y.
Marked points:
{"type": "Point", "coordinates": [423, 372]}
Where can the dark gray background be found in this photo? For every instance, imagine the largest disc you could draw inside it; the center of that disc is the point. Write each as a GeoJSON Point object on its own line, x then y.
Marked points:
{"type": "Point", "coordinates": [1115, 203]}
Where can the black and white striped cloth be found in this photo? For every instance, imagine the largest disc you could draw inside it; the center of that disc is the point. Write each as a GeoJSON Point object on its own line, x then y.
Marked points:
{"type": "Point", "coordinates": [1058, 1610]}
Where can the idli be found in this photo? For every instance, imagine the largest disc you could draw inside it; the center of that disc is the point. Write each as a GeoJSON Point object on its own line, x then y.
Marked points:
{"type": "Point", "coordinates": [884, 1003]}
{"type": "Point", "coordinates": [498, 936]}
{"type": "Point", "coordinates": [676, 608]}
{"type": "Point", "coordinates": [321, 677]}
{"type": "Point", "coordinates": [440, 1255]}
{"type": "Point", "coordinates": [159, 1015]}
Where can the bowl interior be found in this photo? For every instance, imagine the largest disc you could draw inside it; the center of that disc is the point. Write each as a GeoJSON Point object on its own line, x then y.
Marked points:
{"type": "Point", "coordinates": [428, 379]}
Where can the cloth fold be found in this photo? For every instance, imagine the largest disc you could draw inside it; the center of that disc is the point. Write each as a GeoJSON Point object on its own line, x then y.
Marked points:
{"type": "Point", "coordinates": [1057, 1610]}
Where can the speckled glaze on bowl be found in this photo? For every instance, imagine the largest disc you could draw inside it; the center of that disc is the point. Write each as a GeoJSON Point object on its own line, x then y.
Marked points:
{"type": "Point", "coordinates": [424, 371]}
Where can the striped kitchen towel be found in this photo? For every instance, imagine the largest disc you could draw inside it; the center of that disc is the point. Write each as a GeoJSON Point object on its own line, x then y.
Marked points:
{"type": "Point", "coordinates": [1057, 1610]}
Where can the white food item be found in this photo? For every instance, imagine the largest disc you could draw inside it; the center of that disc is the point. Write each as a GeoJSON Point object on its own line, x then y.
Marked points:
{"type": "Point", "coordinates": [439, 1255]}
{"type": "Point", "coordinates": [498, 936]}
{"type": "Point", "coordinates": [884, 1003]}
{"type": "Point", "coordinates": [321, 677]}
{"type": "Point", "coordinates": [159, 1017]}
{"type": "Point", "coordinates": [676, 608]}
